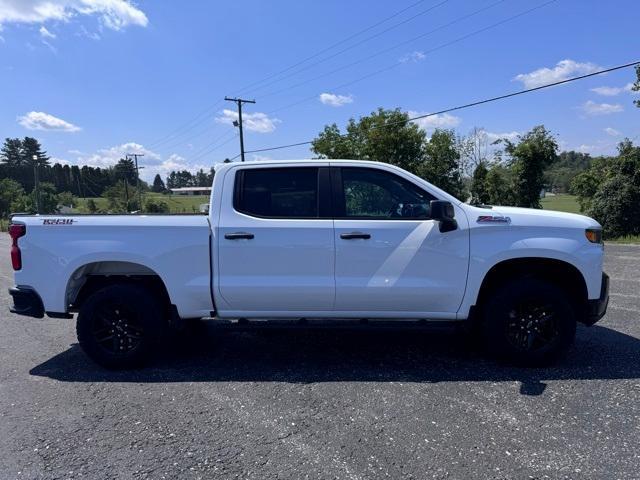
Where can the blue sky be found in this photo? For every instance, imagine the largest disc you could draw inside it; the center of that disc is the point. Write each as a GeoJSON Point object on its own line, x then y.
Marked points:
{"type": "Point", "coordinates": [94, 79]}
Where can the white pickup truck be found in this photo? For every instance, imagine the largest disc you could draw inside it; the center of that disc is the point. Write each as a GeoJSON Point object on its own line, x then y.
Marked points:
{"type": "Point", "coordinates": [311, 240]}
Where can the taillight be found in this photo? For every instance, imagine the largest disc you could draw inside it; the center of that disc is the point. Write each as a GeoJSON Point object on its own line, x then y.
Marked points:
{"type": "Point", "coordinates": [16, 230]}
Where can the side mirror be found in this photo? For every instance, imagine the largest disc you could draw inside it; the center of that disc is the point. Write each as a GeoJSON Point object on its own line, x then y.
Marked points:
{"type": "Point", "coordinates": [443, 212]}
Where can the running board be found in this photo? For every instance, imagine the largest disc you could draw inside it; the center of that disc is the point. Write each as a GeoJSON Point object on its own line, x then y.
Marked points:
{"type": "Point", "coordinates": [330, 323]}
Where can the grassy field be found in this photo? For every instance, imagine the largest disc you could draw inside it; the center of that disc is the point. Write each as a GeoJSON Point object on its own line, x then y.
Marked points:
{"type": "Point", "coordinates": [569, 203]}
{"type": "Point", "coordinates": [561, 203]}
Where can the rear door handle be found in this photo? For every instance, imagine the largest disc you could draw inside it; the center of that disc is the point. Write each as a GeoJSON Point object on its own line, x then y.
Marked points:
{"type": "Point", "coordinates": [355, 235]}
{"type": "Point", "coordinates": [238, 236]}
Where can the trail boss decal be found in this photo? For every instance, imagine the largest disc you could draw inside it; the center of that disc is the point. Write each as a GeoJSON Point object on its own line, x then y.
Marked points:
{"type": "Point", "coordinates": [57, 221]}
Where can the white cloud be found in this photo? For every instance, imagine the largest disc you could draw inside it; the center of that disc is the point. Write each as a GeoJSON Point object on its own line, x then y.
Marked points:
{"type": "Point", "coordinates": [44, 33]}
{"type": "Point", "coordinates": [413, 57]}
{"type": "Point", "coordinates": [443, 120]}
{"type": "Point", "coordinates": [613, 91]}
{"type": "Point", "coordinates": [113, 14]}
{"type": "Point", "coordinates": [608, 91]}
{"type": "Point", "coordinates": [600, 147]}
{"type": "Point", "coordinates": [45, 121]}
{"type": "Point", "coordinates": [254, 122]}
{"type": "Point", "coordinates": [61, 161]}
{"type": "Point", "coordinates": [612, 131]}
{"type": "Point", "coordinates": [151, 162]}
{"type": "Point", "coordinates": [593, 108]}
{"type": "Point", "coordinates": [86, 33]}
{"type": "Point", "coordinates": [107, 157]}
{"type": "Point", "coordinates": [335, 100]}
{"type": "Point", "coordinates": [260, 158]}
{"type": "Point", "coordinates": [492, 136]}
{"type": "Point", "coordinates": [564, 69]}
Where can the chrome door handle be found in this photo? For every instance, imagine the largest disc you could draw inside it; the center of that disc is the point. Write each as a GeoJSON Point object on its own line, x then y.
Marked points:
{"type": "Point", "coordinates": [355, 235]}
{"type": "Point", "coordinates": [238, 236]}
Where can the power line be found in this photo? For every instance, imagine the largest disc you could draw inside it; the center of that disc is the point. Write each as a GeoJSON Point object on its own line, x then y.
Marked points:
{"type": "Point", "coordinates": [189, 125]}
{"type": "Point", "coordinates": [473, 104]}
{"type": "Point", "coordinates": [333, 45]}
{"type": "Point", "coordinates": [185, 128]}
{"type": "Point", "coordinates": [215, 148]}
{"type": "Point", "coordinates": [351, 47]}
{"type": "Point", "coordinates": [215, 140]}
{"type": "Point", "coordinates": [386, 50]}
{"type": "Point", "coordinates": [439, 47]}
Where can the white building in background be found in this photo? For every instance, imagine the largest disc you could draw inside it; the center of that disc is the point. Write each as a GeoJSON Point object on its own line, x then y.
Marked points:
{"type": "Point", "coordinates": [191, 191]}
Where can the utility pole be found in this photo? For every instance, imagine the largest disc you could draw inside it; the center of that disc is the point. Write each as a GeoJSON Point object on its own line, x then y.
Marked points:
{"type": "Point", "coordinates": [135, 156]}
{"type": "Point", "coordinates": [36, 182]}
{"type": "Point", "coordinates": [126, 192]}
{"type": "Point", "coordinates": [239, 102]}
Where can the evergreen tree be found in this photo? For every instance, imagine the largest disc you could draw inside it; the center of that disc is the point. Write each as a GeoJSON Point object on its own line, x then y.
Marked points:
{"type": "Point", "coordinates": [11, 152]}
{"type": "Point", "coordinates": [30, 148]}
{"type": "Point", "coordinates": [158, 184]}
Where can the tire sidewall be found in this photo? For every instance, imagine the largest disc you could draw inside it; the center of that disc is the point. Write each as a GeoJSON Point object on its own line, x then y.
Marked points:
{"type": "Point", "coordinates": [506, 297]}
{"type": "Point", "coordinates": [136, 298]}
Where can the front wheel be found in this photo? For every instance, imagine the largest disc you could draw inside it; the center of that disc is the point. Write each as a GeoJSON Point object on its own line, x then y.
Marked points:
{"type": "Point", "coordinates": [528, 321]}
{"type": "Point", "coordinates": [119, 326]}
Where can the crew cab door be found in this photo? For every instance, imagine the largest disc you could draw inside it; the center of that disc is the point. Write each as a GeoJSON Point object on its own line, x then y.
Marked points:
{"type": "Point", "coordinates": [275, 241]}
{"type": "Point", "coordinates": [390, 257]}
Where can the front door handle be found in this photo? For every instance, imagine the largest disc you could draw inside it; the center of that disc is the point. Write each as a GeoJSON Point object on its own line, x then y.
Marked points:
{"type": "Point", "coordinates": [355, 235]}
{"type": "Point", "coordinates": [238, 236]}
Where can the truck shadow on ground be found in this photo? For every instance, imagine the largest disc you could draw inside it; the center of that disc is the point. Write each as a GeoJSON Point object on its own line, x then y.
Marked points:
{"type": "Point", "coordinates": [211, 355]}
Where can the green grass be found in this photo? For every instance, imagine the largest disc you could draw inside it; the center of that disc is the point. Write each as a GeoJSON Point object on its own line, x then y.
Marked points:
{"type": "Point", "coordinates": [569, 203]}
{"type": "Point", "coordinates": [561, 203]}
{"type": "Point", "coordinates": [625, 239]}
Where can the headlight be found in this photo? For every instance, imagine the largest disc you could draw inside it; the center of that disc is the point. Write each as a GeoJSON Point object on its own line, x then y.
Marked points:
{"type": "Point", "coordinates": [594, 235]}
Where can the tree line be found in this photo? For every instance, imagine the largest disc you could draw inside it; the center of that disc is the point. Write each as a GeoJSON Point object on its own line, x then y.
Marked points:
{"type": "Point", "coordinates": [24, 160]}
{"type": "Point", "coordinates": [505, 171]}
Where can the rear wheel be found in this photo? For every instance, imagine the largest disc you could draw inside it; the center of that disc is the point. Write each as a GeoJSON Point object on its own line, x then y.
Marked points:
{"type": "Point", "coordinates": [119, 326]}
{"type": "Point", "coordinates": [529, 321]}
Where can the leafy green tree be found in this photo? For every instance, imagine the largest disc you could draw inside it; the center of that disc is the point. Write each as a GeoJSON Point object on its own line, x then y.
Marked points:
{"type": "Point", "coordinates": [384, 135]}
{"type": "Point", "coordinates": [498, 185]}
{"type": "Point", "coordinates": [152, 206]}
{"type": "Point", "coordinates": [568, 166]}
{"type": "Point", "coordinates": [479, 190]}
{"type": "Point", "coordinates": [158, 184]}
{"type": "Point", "coordinates": [616, 205]}
{"type": "Point", "coordinates": [67, 199]}
{"type": "Point", "coordinates": [92, 206]}
{"type": "Point", "coordinates": [48, 199]}
{"type": "Point", "coordinates": [529, 158]}
{"type": "Point", "coordinates": [586, 184]}
{"type": "Point", "coordinates": [120, 198]}
{"type": "Point", "coordinates": [441, 165]}
{"type": "Point", "coordinates": [11, 197]}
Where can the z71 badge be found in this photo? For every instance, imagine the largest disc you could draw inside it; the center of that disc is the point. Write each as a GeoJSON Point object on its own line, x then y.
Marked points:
{"type": "Point", "coordinates": [57, 221]}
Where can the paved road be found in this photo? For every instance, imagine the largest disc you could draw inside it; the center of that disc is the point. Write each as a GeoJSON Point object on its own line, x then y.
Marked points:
{"type": "Point", "coordinates": [323, 404]}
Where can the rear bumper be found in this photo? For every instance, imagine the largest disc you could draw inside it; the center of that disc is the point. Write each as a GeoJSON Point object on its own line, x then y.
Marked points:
{"type": "Point", "coordinates": [27, 302]}
{"type": "Point", "coordinates": [598, 307]}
